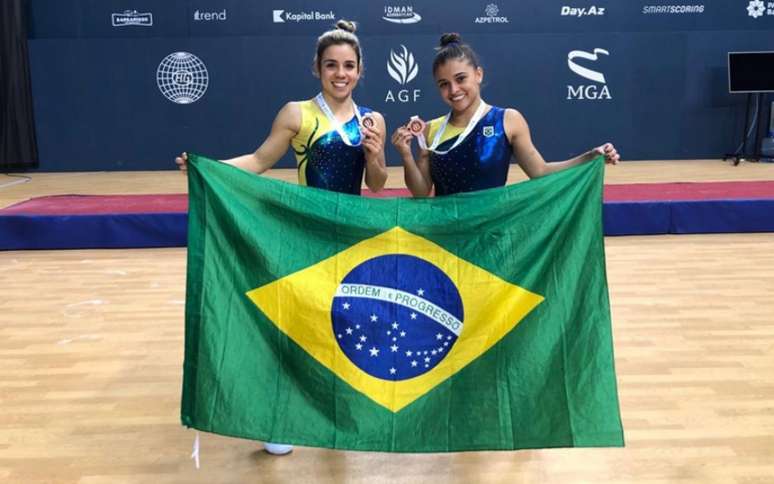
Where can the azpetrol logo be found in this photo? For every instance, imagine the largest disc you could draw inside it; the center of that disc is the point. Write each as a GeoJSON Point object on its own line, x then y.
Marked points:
{"type": "Point", "coordinates": [131, 17]}
{"type": "Point", "coordinates": [492, 12]}
{"type": "Point", "coordinates": [579, 12]}
{"type": "Point", "coordinates": [597, 91]}
{"type": "Point", "coordinates": [757, 9]}
{"type": "Point", "coordinates": [401, 14]}
{"type": "Point", "coordinates": [403, 68]}
{"type": "Point", "coordinates": [283, 16]}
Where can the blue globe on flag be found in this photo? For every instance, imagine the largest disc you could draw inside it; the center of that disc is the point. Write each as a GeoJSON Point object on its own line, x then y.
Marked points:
{"type": "Point", "coordinates": [396, 316]}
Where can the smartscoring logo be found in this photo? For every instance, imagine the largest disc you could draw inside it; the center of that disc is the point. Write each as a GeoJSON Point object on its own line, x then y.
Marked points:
{"type": "Point", "coordinates": [492, 12]}
{"type": "Point", "coordinates": [282, 16]}
{"type": "Point", "coordinates": [672, 9]}
{"type": "Point", "coordinates": [597, 91]}
{"type": "Point", "coordinates": [396, 333]}
{"type": "Point", "coordinates": [756, 8]}
{"type": "Point", "coordinates": [582, 11]}
{"type": "Point", "coordinates": [402, 67]}
{"type": "Point", "coordinates": [401, 15]}
{"type": "Point", "coordinates": [131, 17]}
{"type": "Point", "coordinates": [182, 77]}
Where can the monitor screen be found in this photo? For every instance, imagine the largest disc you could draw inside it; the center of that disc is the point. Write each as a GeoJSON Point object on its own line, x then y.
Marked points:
{"type": "Point", "coordinates": [750, 72]}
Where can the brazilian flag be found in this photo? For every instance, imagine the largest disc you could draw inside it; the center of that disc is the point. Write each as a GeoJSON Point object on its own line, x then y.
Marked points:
{"type": "Point", "coordinates": [477, 321]}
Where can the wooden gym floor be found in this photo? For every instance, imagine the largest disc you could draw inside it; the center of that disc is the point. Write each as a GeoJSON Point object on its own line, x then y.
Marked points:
{"type": "Point", "coordinates": [91, 348]}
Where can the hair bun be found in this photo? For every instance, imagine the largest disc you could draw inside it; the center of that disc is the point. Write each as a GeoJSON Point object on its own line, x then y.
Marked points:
{"type": "Point", "coordinates": [450, 38]}
{"type": "Point", "coordinates": [346, 25]}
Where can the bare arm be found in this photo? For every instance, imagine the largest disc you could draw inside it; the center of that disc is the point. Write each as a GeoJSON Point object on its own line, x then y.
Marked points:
{"type": "Point", "coordinates": [373, 145]}
{"type": "Point", "coordinates": [530, 159]}
{"type": "Point", "coordinates": [285, 126]}
{"type": "Point", "coordinates": [416, 172]}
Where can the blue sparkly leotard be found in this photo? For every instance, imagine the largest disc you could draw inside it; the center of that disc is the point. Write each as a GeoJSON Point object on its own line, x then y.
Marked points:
{"type": "Point", "coordinates": [324, 160]}
{"type": "Point", "coordinates": [481, 161]}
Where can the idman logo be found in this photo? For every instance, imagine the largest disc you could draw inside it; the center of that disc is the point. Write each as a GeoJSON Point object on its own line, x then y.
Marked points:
{"type": "Point", "coordinates": [403, 68]}
{"type": "Point", "coordinates": [396, 331]}
{"type": "Point", "coordinates": [598, 91]}
{"type": "Point", "coordinates": [401, 15]}
{"type": "Point", "coordinates": [182, 77]}
{"type": "Point", "coordinates": [131, 17]}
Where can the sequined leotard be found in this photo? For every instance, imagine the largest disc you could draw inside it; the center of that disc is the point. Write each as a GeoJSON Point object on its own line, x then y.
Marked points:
{"type": "Point", "coordinates": [324, 160]}
{"type": "Point", "coordinates": [481, 161]}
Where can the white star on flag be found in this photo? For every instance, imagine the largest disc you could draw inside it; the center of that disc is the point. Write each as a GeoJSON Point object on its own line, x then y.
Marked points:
{"type": "Point", "coordinates": [374, 318]}
{"type": "Point", "coordinates": [346, 305]}
{"type": "Point", "coordinates": [413, 315]}
{"type": "Point", "coordinates": [394, 348]}
{"type": "Point", "coordinates": [421, 292]}
{"type": "Point", "coordinates": [374, 351]}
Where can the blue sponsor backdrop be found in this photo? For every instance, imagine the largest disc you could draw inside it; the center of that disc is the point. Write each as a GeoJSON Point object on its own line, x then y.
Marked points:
{"type": "Point", "coordinates": [647, 74]}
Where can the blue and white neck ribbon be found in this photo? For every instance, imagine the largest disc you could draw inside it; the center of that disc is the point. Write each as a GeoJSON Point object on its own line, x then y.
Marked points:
{"type": "Point", "coordinates": [438, 134]}
{"type": "Point", "coordinates": [320, 100]}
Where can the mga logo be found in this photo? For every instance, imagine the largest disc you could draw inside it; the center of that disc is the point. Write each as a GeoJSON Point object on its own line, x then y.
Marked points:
{"type": "Point", "coordinates": [403, 68]}
{"type": "Point", "coordinates": [596, 91]}
{"type": "Point", "coordinates": [131, 17]}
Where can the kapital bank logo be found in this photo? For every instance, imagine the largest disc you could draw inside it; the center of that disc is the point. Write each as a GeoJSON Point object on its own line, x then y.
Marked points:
{"type": "Point", "coordinates": [131, 17]}
{"type": "Point", "coordinates": [597, 91]}
{"type": "Point", "coordinates": [403, 68]}
{"type": "Point", "coordinates": [283, 16]}
{"type": "Point", "coordinates": [401, 14]}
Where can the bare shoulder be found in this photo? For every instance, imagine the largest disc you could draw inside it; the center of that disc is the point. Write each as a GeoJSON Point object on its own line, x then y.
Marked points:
{"type": "Point", "coordinates": [515, 122]}
{"type": "Point", "coordinates": [289, 116]}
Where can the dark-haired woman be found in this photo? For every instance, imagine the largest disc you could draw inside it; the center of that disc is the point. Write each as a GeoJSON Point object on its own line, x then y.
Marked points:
{"type": "Point", "coordinates": [471, 147]}
{"type": "Point", "coordinates": [333, 139]}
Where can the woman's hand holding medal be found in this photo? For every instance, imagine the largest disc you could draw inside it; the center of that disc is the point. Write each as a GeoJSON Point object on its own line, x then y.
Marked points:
{"type": "Point", "coordinates": [401, 139]}
{"type": "Point", "coordinates": [373, 141]}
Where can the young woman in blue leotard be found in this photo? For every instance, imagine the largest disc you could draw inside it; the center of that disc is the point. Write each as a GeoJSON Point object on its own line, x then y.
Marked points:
{"type": "Point", "coordinates": [471, 147]}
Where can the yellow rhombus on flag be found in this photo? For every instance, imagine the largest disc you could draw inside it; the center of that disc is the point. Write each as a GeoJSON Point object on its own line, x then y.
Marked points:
{"type": "Point", "coordinates": [301, 305]}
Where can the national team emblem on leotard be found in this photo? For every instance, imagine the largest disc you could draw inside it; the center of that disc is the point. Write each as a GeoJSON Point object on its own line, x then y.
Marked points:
{"type": "Point", "coordinates": [395, 315]}
{"type": "Point", "coordinates": [488, 131]}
